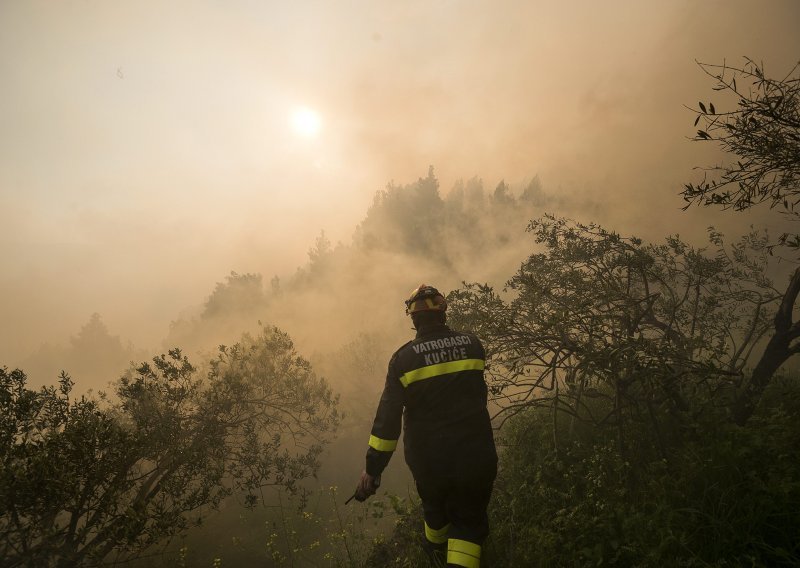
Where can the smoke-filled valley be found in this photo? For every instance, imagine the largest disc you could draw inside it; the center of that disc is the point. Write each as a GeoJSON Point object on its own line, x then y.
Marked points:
{"type": "Point", "coordinates": [212, 217]}
{"type": "Point", "coordinates": [343, 310]}
{"type": "Point", "coordinates": [343, 293]}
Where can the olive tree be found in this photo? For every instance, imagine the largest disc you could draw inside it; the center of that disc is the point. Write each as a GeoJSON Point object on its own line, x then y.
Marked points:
{"type": "Point", "coordinates": [87, 480]}
{"type": "Point", "coordinates": [761, 133]}
{"type": "Point", "coordinates": [618, 332]}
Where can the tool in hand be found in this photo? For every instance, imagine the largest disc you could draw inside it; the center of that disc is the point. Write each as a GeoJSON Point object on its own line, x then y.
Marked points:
{"type": "Point", "coordinates": [376, 484]}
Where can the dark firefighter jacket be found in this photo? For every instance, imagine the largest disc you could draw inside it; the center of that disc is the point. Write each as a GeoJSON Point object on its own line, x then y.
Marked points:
{"type": "Point", "coordinates": [435, 387]}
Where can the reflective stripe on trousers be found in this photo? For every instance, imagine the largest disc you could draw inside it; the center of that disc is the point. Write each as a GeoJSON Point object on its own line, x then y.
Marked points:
{"type": "Point", "coordinates": [463, 553]}
{"type": "Point", "coordinates": [436, 536]}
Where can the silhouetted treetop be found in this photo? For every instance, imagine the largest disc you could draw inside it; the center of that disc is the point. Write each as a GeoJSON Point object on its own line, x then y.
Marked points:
{"type": "Point", "coordinates": [762, 134]}
{"type": "Point", "coordinates": [239, 293]}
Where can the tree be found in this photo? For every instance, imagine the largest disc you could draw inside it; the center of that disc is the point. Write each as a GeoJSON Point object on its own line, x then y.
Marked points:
{"type": "Point", "coordinates": [615, 366]}
{"type": "Point", "coordinates": [616, 332]}
{"type": "Point", "coordinates": [320, 259]}
{"type": "Point", "coordinates": [93, 354]}
{"type": "Point", "coordinates": [404, 219]}
{"type": "Point", "coordinates": [240, 293]}
{"type": "Point", "coordinates": [502, 196]}
{"type": "Point", "coordinates": [320, 251]}
{"type": "Point", "coordinates": [533, 192]}
{"type": "Point", "coordinates": [84, 480]}
{"type": "Point", "coordinates": [763, 134]}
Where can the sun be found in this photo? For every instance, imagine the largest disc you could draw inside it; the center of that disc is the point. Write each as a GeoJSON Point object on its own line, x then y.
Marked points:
{"type": "Point", "coordinates": [306, 122]}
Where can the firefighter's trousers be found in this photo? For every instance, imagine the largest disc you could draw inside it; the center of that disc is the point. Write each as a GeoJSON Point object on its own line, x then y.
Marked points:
{"type": "Point", "coordinates": [454, 507]}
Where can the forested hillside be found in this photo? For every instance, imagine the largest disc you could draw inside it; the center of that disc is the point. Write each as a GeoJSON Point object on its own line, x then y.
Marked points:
{"type": "Point", "coordinates": [343, 307]}
{"type": "Point", "coordinates": [410, 233]}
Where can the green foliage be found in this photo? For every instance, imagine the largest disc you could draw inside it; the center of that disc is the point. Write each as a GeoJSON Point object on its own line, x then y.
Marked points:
{"type": "Point", "coordinates": [763, 134]}
{"type": "Point", "coordinates": [728, 496]}
{"type": "Point", "coordinates": [762, 131]}
{"type": "Point", "coordinates": [653, 331]}
{"type": "Point", "coordinates": [326, 532]}
{"type": "Point", "coordinates": [404, 547]}
{"type": "Point", "coordinates": [85, 479]}
{"type": "Point", "coordinates": [58, 459]}
{"type": "Point", "coordinates": [312, 529]}
{"type": "Point", "coordinates": [616, 365]}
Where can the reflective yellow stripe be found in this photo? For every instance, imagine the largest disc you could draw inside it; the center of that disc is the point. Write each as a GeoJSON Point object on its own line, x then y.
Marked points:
{"type": "Point", "coordinates": [436, 536]}
{"type": "Point", "coordinates": [441, 369]}
{"type": "Point", "coordinates": [382, 445]}
{"type": "Point", "coordinates": [463, 553]}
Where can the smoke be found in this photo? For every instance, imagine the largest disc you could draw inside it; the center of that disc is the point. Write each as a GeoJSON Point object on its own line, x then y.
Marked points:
{"type": "Point", "coordinates": [146, 151]}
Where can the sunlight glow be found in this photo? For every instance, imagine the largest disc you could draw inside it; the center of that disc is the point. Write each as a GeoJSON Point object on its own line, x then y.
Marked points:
{"type": "Point", "coordinates": [306, 122]}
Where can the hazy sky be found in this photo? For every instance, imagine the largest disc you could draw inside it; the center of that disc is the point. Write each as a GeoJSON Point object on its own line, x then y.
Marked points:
{"type": "Point", "coordinates": [149, 148]}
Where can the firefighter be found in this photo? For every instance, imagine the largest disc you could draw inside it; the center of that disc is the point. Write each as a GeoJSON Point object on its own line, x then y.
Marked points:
{"type": "Point", "coordinates": [435, 386]}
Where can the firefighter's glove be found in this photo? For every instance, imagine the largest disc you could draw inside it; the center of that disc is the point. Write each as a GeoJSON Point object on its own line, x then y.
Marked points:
{"type": "Point", "coordinates": [367, 486]}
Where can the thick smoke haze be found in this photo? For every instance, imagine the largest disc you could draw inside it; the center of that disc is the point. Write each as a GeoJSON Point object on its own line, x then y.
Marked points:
{"type": "Point", "coordinates": [147, 149]}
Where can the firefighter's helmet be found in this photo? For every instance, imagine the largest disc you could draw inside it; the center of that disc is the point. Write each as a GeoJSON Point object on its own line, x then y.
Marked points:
{"type": "Point", "coordinates": [425, 298]}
